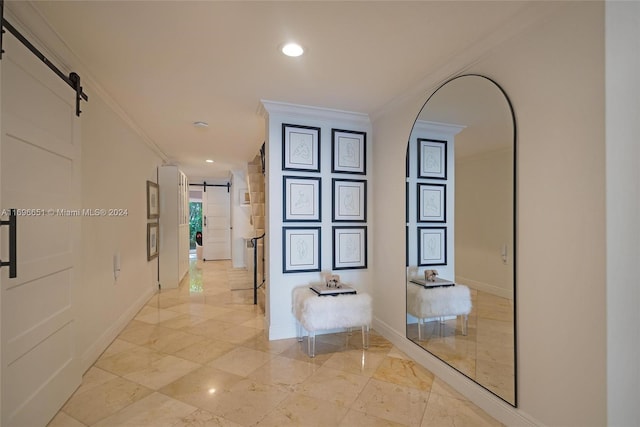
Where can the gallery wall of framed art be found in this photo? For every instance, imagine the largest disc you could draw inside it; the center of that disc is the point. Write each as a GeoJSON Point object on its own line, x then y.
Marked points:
{"type": "Point", "coordinates": [318, 167]}
{"type": "Point", "coordinates": [303, 198]}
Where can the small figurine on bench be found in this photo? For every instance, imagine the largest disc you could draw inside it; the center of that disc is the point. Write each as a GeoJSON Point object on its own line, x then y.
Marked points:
{"type": "Point", "coordinates": [430, 275]}
{"type": "Point", "coordinates": [333, 281]}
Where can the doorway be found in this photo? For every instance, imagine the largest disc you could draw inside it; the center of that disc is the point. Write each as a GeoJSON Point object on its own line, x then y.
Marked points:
{"type": "Point", "coordinates": [216, 223]}
{"type": "Point", "coordinates": [210, 222]}
{"type": "Point", "coordinates": [195, 221]}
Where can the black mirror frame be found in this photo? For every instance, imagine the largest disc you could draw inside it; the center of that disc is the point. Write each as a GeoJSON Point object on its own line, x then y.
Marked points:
{"type": "Point", "coordinates": [515, 235]}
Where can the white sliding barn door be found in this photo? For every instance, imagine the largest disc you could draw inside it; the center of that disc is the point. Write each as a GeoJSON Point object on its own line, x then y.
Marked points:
{"type": "Point", "coordinates": [216, 223]}
{"type": "Point", "coordinates": [39, 171]}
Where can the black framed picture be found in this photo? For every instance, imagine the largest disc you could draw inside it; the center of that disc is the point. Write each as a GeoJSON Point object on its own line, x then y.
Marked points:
{"type": "Point", "coordinates": [349, 247]}
{"type": "Point", "coordinates": [153, 200]}
{"type": "Point", "coordinates": [406, 202]}
{"type": "Point", "coordinates": [301, 196]}
{"type": "Point", "coordinates": [349, 151]}
{"type": "Point", "coordinates": [301, 249]}
{"type": "Point", "coordinates": [349, 202]}
{"type": "Point", "coordinates": [432, 158]}
{"type": "Point", "coordinates": [152, 240]}
{"type": "Point", "coordinates": [300, 148]}
{"type": "Point", "coordinates": [432, 202]}
{"type": "Point", "coordinates": [432, 246]}
{"type": "Point", "coordinates": [406, 246]}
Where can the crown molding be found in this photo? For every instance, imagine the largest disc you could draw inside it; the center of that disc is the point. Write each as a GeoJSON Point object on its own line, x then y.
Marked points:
{"type": "Point", "coordinates": [447, 129]}
{"type": "Point", "coordinates": [268, 108]}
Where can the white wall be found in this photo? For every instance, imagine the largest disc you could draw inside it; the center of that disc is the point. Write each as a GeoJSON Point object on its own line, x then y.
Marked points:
{"type": "Point", "coordinates": [240, 219]}
{"type": "Point", "coordinates": [484, 224]}
{"type": "Point", "coordinates": [554, 76]}
{"type": "Point", "coordinates": [115, 167]}
{"type": "Point", "coordinates": [281, 323]}
{"type": "Point", "coordinates": [623, 210]}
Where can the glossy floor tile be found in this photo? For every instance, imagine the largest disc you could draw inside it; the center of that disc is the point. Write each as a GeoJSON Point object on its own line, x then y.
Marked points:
{"type": "Point", "coordinates": [486, 354]}
{"type": "Point", "coordinates": [199, 356]}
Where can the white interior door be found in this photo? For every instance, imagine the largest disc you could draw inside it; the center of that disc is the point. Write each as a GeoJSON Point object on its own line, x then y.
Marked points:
{"type": "Point", "coordinates": [39, 173]}
{"type": "Point", "coordinates": [216, 223]}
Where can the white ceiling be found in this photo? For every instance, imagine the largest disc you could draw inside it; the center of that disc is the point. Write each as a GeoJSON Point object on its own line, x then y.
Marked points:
{"type": "Point", "coordinates": [170, 63]}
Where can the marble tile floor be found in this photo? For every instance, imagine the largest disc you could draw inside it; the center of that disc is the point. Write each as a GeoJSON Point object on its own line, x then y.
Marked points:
{"type": "Point", "coordinates": [486, 354]}
{"type": "Point", "coordinates": [198, 356]}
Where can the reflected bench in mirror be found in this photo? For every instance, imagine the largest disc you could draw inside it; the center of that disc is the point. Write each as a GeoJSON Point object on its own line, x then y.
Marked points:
{"type": "Point", "coordinates": [435, 303]}
{"type": "Point", "coordinates": [315, 312]}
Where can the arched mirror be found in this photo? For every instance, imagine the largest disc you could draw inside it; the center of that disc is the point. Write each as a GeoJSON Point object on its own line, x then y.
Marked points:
{"type": "Point", "coordinates": [460, 217]}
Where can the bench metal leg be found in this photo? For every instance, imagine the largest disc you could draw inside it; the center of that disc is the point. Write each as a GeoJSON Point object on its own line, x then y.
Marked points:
{"type": "Point", "coordinates": [420, 324]}
{"type": "Point", "coordinates": [441, 326]}
{"type": "Point", "coordinates": [299, 331]}
{"type": "Point", "coordinates": [311, 337]}
{"type": "Point", "coordinates": [465, 324]}
{"type": "Point", "coordinates": [311, 344]}
{"type": "Point", "coordinates": [365, 336]}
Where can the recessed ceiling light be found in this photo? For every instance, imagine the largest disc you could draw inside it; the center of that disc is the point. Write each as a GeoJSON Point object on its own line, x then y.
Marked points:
{"type": "Point", "coordinates": [292, 49]}
{"type": "Point", "coordinates": [200, 124]}
{"type": "Point", "coordinates": [209, 161]}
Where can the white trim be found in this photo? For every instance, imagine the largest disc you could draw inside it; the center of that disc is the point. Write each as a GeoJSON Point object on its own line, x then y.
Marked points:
{"type": "Point", "coordinates": [485, 287]}
{"type": "Point", "coordinates": [487, 401]}
{"type": "Point", "coordinates": [444, 129]}
{"type": "Point", "coordinates": [267, 108]}
{"type": "Point", "coordinates": [281, 332]}
{"type": "Point", "coordinates": [94, 351]}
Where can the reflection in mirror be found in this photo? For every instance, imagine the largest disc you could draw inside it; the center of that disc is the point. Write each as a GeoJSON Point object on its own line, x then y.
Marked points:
{"type": "Point", "coordinates": [461, 223]}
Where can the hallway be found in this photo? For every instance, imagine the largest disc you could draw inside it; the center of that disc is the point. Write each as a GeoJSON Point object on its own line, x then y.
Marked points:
{"type": "Point", "coordinates": [198, 356]}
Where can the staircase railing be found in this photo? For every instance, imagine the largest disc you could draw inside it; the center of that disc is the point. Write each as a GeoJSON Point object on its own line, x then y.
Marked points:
{"type": "Point", "coordinates": [254, 242]}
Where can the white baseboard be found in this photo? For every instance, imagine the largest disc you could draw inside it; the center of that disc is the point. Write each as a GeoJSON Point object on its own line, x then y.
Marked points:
{"type": "Point", "coordinates": [491, 404]}
{"type": "Point", "coordinates": [94, 351]}
{"type": "Point", "coordinates": [281, 332]}
{"type": "Point", "coordinates": [485, 287]}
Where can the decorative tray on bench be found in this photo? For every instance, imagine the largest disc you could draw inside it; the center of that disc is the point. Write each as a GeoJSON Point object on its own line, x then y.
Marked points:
{"type": "Point", "coordinates": [323, 290]}
{"type": "Point", "coordinates": [439, 283]}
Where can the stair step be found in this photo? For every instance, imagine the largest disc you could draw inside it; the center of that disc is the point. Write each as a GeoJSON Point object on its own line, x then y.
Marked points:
{"type": "Point", "coordinates": [257, 209]}
{"type": "Point", "coordinates": [256, 180]}
{"type": "Point", "coordinates": [257, 197]}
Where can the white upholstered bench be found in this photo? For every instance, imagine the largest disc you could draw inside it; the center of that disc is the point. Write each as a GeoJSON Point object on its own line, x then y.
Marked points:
{"type": "Point", "coordinates": [427, 303]}
{"type": "Point", "coordinates": [315, 313]}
